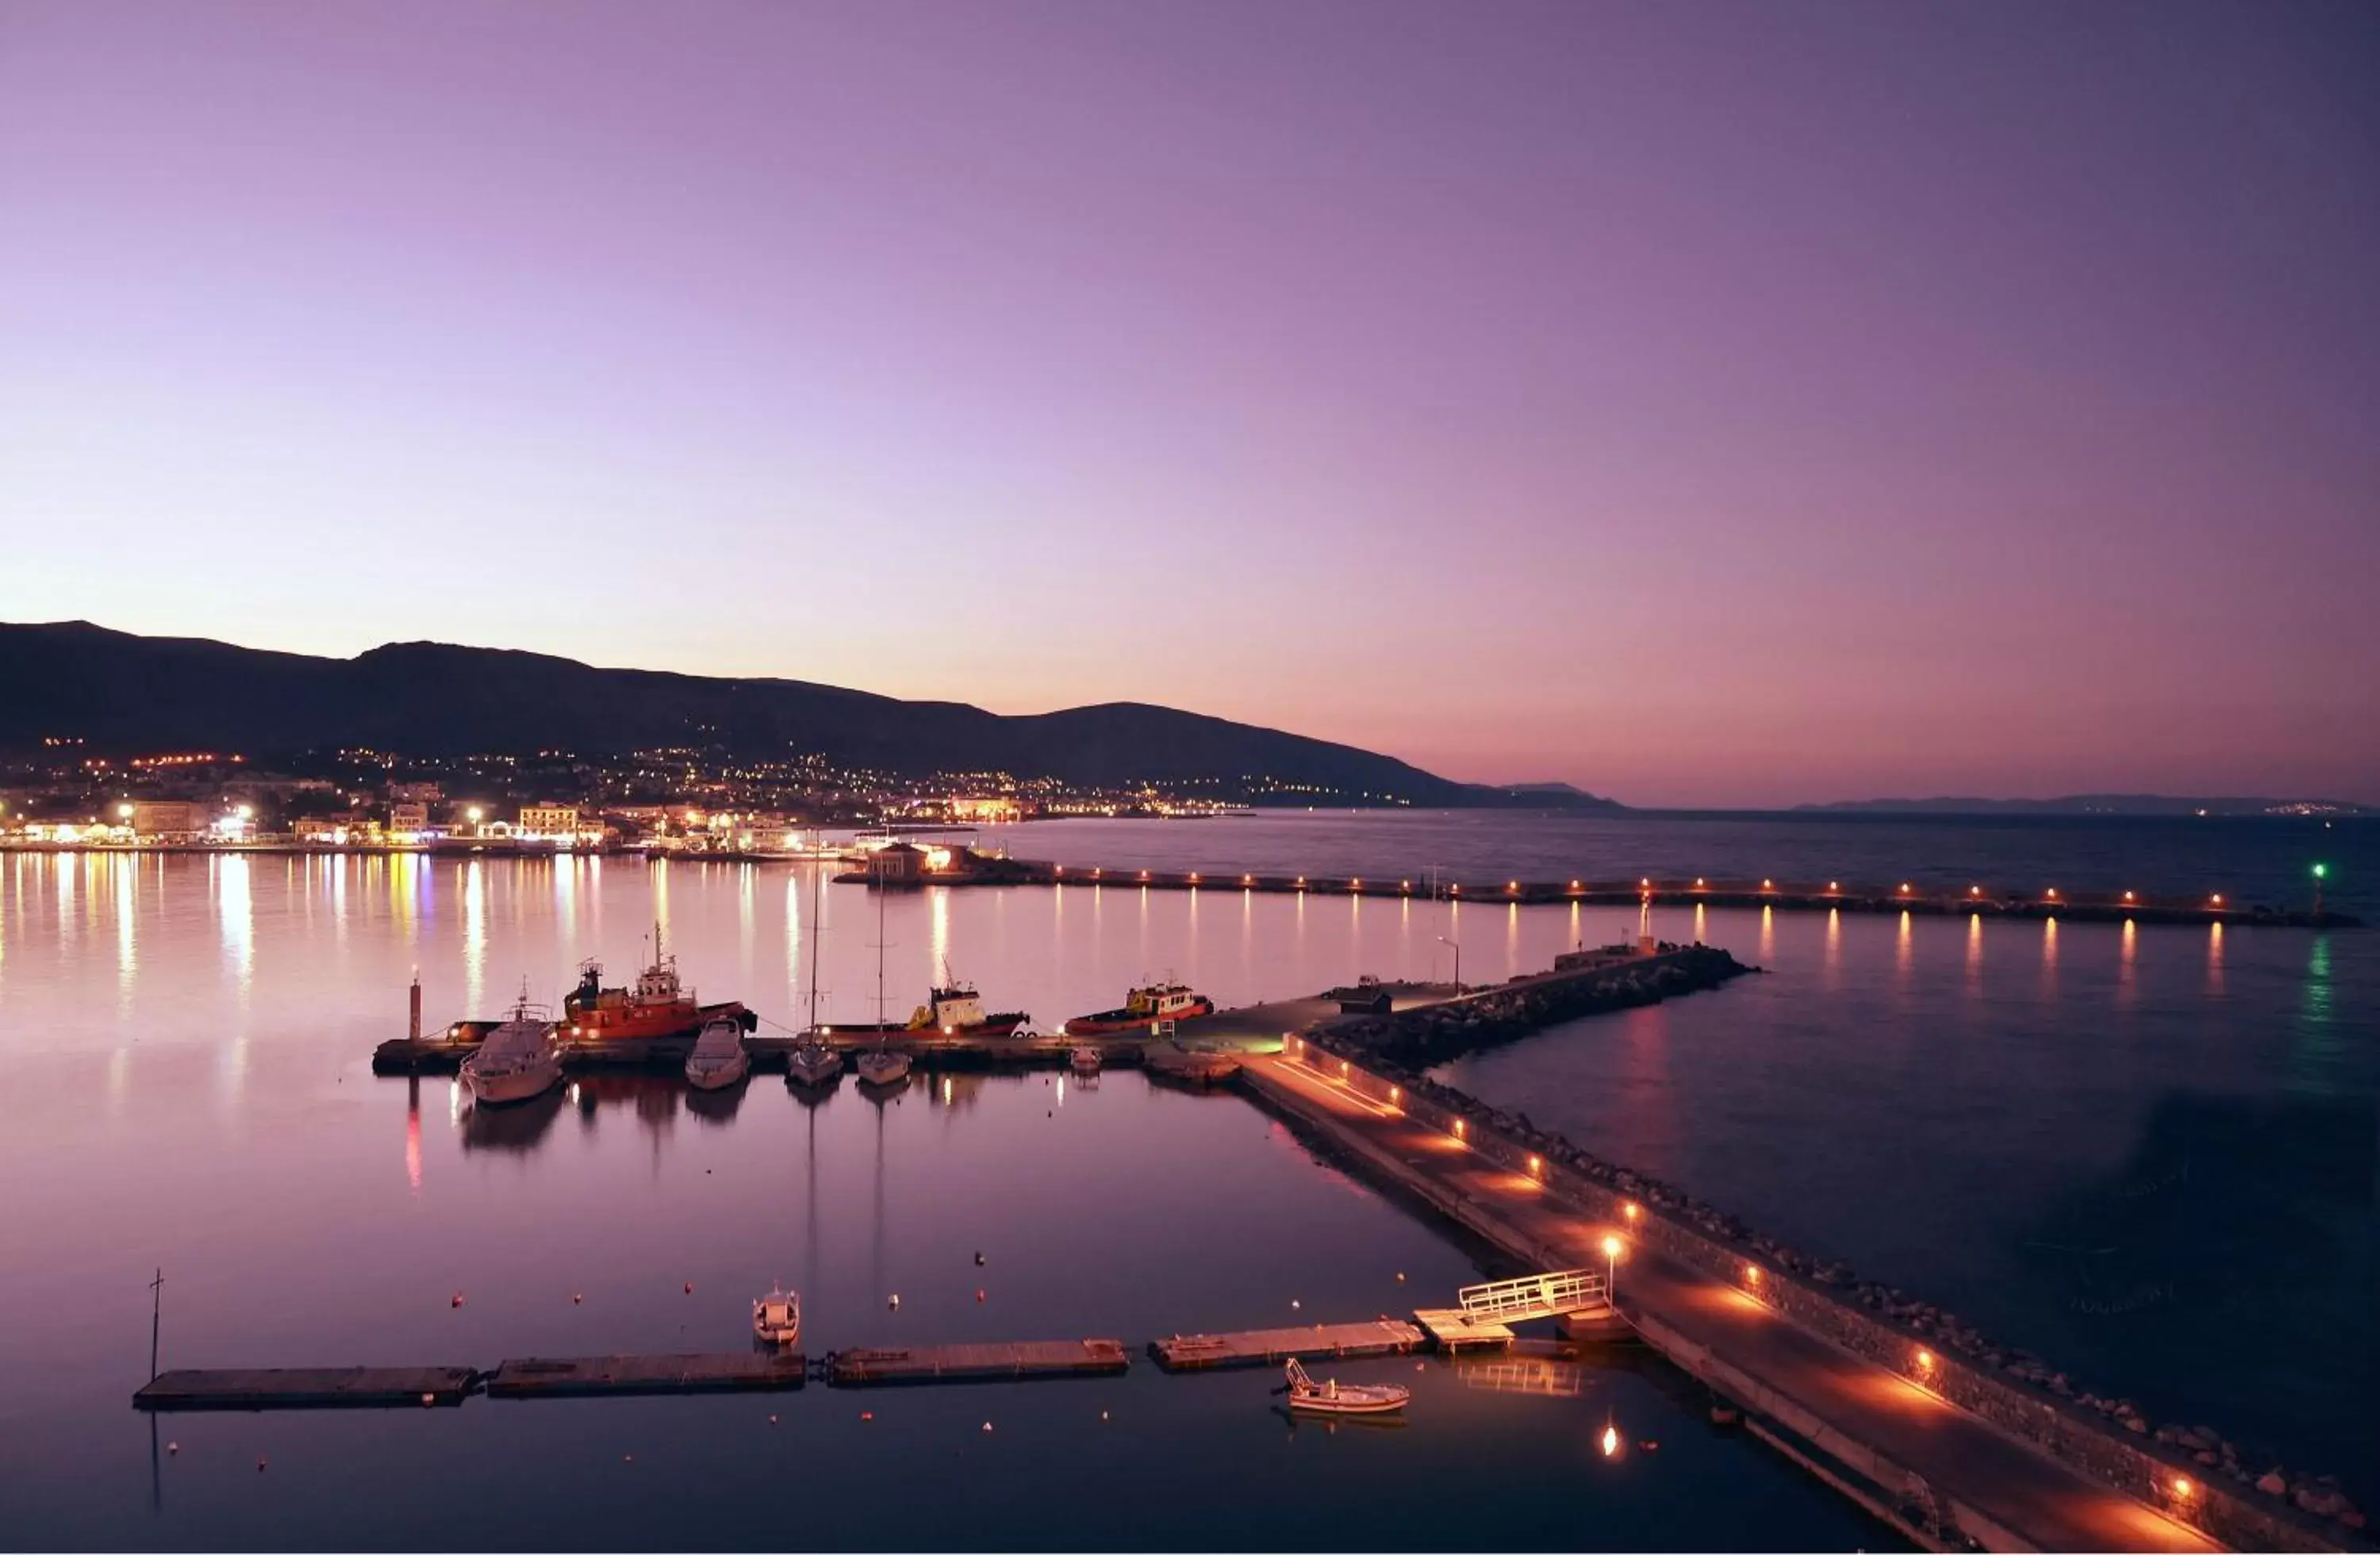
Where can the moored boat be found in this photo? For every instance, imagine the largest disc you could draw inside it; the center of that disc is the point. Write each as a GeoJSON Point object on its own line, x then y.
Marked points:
{"type": "Point", "coordinates": [1142, 1009]}
{"type": "Point", "coordinates": [881, 1066]}
{"type": "Point", "coordinates": [1085, 1059]}
{"type": "Point", "coordinates": [952, 1008]}
{"type": "Point", "coordinates": [517, 1061]}
{"type": "Point", "coordinates": [718, 1059]}
{"type": "Point", "coordinates": [777, 1317]}
{"type": "Point", "coordinates": [812, 1063]}
{"type": "Point", "coordinates": [657, 1004]}
{"type": "Point", "coordinates": [1334, 1397]}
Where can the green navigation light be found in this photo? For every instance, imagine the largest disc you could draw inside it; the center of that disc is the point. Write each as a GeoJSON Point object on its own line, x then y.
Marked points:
{"type": "Point", "coordinates": [2320, 870]}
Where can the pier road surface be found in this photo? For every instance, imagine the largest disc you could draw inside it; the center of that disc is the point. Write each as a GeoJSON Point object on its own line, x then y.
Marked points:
{"type": "Point", "coordinates": [2035, 1500]}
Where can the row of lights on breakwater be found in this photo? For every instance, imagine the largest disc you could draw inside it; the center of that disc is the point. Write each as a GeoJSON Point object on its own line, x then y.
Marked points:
{"type": "Point", "coordinates": [1644, 884]}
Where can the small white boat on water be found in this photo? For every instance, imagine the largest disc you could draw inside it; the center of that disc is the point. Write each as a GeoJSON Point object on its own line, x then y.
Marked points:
{"type": "Point", "coordinates": [777, 1317]}
{"type": "Point", "coordinates": [518, 1061]}
{"type": "Point", "coordinates": [1337, 1398]}
{"type": "Point", "coordinates": [1085, 1058]}
{"type": "Point", "coordinates": [881, 1066]}
{"type": "Point", "coordinates": [812, 1063]}
{"type": "Point", "coordinates": [718, 1059]}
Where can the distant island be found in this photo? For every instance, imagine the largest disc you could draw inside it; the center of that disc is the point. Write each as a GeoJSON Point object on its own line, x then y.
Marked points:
{"type": "Point", "coordinates": [103, 695]}
{"type": "Point", "coordinates": [2103, 804]}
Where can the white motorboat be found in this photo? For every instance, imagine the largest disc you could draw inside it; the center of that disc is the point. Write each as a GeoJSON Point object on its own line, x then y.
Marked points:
{"type": "Point", "coordinates": [718, 1059]}
{"type": "Point", "coordinates": [1337, 1398]}
{"type": "Point", "coordinates": [881, 1066]}
{"type": "Point", "coordinates": [812, 1063]}
{"type": "Point", "coordinates": [777, 1317]}
{"type": "Point", "coordinates": [518, 1061]}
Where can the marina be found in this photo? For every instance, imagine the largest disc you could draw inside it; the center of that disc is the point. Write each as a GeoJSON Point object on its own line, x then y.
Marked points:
{"type": "Point", "coordinates": [622, 1083]}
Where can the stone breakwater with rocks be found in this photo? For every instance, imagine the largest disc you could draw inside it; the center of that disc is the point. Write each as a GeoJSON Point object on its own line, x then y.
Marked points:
{"type": "Point", "coordinates": [2243, 1496]}
{"type": "Point", "coordinates": [1594, 983]}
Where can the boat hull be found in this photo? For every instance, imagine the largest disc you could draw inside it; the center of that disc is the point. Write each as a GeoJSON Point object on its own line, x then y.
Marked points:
{"type": "Point", "coordinates": [1387, 1401]}
{"type": "Point", "coordinates": [886, 1075]}
{"type": "Point", "coordinates": [513, 1085]}
{"type": "Point", "coordinates": [1004, 1025]}
{"type": "Point", "coordinates": [720, 1076]}
{"type": "Point", "coordinates": [1113, 1023]}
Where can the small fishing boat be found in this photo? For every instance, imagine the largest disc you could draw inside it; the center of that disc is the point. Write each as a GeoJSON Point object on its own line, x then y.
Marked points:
{"type": "Point", "coordinates": [518, 1061]}
{"type": "Point", "coordinates": [777, 1317]}
{"type": "Point", "coordinates": [881, 1066]}
{"type": "Point", "coordinates": [1142, 1009]}
{"type": "Point", "coordinates": [718, 1059]}
{"type": "Point", "coordinates": [812, 1063]}
{"type": "Point", "coordinates": [1336, 1398]}
{"type": "Point", "coordinates": [1085, 1058]}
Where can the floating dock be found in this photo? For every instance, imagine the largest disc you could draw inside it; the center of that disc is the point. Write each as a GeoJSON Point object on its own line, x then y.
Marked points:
{"type": "Point", "coordinates": [1450, 1328]}
{"type": "Point", "coordinates": [354, 1387]}
{"type": "Point", "coordinates": [602, 1376]}
{"type": "Point", "coordinates": [1208, 1351]}
{"type": "Point", "coordinates": [977, 1363]}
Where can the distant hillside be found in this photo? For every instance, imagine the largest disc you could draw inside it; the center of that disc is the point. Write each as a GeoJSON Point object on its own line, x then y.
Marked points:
{"type": "Point", "coordinates": [1566, 795]}
{"type": "Point", "coordinates": [128, 694]}
{"type": "Point", "coordinates": [2101, 804]}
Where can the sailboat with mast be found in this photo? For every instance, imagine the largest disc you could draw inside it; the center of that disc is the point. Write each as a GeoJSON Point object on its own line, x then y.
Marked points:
{"type": "Point", "coordinates": [813, 1065]}
{"type": "Point", "coordinates": [880, 1065]}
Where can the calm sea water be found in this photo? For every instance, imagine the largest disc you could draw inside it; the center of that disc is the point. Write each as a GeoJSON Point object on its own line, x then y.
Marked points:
{"type": "Point", "coordinates": [2149, 1154]}
{"type": "Point", "coordinates": [2152, 1154]}
{"type": "Point", "coordinates": [189, 1086]}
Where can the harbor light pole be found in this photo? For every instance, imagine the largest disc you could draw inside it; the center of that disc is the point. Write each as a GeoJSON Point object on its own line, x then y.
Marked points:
{"type": "Point", "coordinates": [1611, 1272]}
{"type": "Point", "coordinates": [2321, 872]}
{"type": "Point", "coordinates": [1458, 960]}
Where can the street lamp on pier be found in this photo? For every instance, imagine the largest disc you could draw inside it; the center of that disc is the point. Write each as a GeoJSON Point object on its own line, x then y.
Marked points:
{"type": "Point", "coordinates": [1458, 959]}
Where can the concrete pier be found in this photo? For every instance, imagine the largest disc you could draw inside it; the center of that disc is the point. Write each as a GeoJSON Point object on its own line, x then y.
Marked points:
{"type": "Point", "coordinates": [977, 1363]}
{"type": "Point", "coordinates": [1207, 1351]}
{"type": "Point", "coordinates": [320, 1387]}
{"type": "Point", "coordinates": [1939, 1472]}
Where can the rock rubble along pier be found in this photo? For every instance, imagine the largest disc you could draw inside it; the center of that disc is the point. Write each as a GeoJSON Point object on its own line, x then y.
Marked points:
{"type": "Point", "coordinates": [1583, 983]}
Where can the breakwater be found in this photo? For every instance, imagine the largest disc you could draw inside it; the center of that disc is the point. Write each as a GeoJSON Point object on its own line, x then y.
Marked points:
{"type": "Point", "coordinates": [1583, 983]}
{"type": "Point", "coordinates": [1980, 899]}
{"type": "Point", "coordinates": [2240, 1496]}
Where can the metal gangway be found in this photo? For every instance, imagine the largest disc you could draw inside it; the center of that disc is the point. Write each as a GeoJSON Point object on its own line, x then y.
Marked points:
{"type": "Point", "coordinates": [1488, 1312]}
{"type": "Point", "coordinates": [1535, 1295]}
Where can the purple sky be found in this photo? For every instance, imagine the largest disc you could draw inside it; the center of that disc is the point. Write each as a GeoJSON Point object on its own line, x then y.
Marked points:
{"type": "Point", "coordinates": [1737, 404]}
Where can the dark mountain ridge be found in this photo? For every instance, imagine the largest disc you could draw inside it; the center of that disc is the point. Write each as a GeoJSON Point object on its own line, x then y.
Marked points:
{"type": "Point", "coordinates": [123, 693]}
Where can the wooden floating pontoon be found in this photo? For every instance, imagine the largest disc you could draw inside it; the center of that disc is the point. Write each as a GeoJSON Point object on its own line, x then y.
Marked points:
{"type": "Point", "coordinates": [1202, 1352]}
{"type": "Point", "coordinates": [730, 1371]}
{"type": "Point", "coordinates": [354, 1387]}
{"type": "Point", "coordinates": [972, 1362]}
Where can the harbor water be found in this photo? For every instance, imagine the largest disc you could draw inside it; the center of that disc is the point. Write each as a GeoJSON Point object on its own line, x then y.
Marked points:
{"type": "Point", "coordinates": [1972, 1114]}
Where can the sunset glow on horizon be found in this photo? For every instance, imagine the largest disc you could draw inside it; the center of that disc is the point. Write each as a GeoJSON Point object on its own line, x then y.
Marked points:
{"type": "Point", "coordinates": [1703, 405]}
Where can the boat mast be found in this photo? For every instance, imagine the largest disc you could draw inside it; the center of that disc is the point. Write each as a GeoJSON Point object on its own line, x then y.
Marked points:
{"type": "Point", "coordinates": [880, 948]}
{"type": "Point", "coordinates": [817, 868]}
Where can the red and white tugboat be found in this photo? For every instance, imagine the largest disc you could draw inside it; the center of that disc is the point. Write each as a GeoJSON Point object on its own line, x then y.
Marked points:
{"type": "Point", "coordinates": [1143, 1008]}
{"type": "Point", "coordinates": [658, 1006]}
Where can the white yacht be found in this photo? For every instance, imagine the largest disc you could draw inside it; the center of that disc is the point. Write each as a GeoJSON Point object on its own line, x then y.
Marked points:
{"type": "Point", "coordinates": [718, 1059]}
{"type": "Point", "coordinates": [777, 1317]}
{"type": "Point", "coordinates": [518, 1061]}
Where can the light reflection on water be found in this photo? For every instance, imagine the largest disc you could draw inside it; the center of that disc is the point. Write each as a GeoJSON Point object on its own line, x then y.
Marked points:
{"type": "Point", "coordinates": [327, 1216]}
